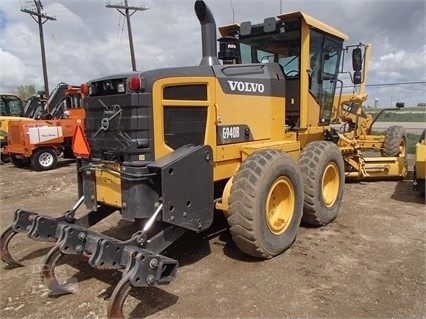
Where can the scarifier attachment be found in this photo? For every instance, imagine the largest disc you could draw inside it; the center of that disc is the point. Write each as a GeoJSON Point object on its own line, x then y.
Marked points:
{"type": "Point", "coordinates": [45, 228]}
{"type": "Point", "coordinates": [138, 258]}
{"type": "Point", "coordinates": [141, 267]}
{"type": "Point", "coordinates": [177, 210]}
{"type": "Point", "coordinates": [6, 236]}
{"type": "Point", "coordinates": [21, 223]}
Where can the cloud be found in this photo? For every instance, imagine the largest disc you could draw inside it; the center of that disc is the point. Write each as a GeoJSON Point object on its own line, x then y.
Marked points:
{"type": "Point", "coordinates": [88, 40]}
{"type": "Point", "coordinates": [400, 66]}
{"type": "Point", "coordinates": [12, 69]}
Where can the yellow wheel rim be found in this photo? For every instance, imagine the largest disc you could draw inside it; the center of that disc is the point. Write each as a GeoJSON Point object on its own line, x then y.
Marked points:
{"type": "Point", "coordinates": [330, 184]}
{"type": "Point", "coordinates": [402, 148]}
{"type": "Point", "coordinates": [280, 205]}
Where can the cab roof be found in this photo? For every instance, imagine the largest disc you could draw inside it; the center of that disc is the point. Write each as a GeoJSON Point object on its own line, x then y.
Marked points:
{"type": "Point", "coordinates": [227, 29]}
{"type": "Point", "coordinates": [313, 23]}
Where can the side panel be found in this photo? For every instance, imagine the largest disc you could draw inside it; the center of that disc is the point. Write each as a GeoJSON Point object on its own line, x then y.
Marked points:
{"type": "Point", "coordinates": [180, 118]}
{"type": "Point", "coordinates": [250, 103]}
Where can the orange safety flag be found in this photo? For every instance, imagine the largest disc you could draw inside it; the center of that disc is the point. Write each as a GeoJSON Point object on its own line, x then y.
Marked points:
{"type": "Point", "coordinates": [80, 147]}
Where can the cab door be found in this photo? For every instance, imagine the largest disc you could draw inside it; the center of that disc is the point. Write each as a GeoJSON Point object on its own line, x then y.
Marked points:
{"type": "Point", "coordinates": [325, 53]}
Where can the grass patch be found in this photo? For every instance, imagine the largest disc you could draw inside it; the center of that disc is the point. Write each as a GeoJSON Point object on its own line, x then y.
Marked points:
{"type": "Point", "coordinates": [411, 114]}
{"type": "Point", "coordinates": [402, 117]}
{"type": "Point", "coordinates": [412, 140]}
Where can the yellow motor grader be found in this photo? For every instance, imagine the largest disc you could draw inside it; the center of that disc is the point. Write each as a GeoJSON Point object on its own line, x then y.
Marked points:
{"type": "Point", "coordinates": [356, 140]}
{"type": "Point", "coordinates": [247, 132]}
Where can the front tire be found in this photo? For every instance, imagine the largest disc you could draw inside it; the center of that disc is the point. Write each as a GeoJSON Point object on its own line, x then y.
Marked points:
{"type": "Point", "coordinates": [44, 159]}
{"type": "Point", "coordinates": [395, 143]}
{"type": "Point", "coordinates": [265, 203]}
{"type": "Point", "coordinates": [323, 174]}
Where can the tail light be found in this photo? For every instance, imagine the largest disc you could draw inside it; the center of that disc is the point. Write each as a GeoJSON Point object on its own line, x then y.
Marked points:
{"type": "Point", "coordinates": [84, 88]}
{"type": "Point", "coordinates": [135, 83]}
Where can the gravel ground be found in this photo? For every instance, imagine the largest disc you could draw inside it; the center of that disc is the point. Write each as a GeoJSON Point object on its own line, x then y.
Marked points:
{"type": "Point", "coordinates": [368, 263]}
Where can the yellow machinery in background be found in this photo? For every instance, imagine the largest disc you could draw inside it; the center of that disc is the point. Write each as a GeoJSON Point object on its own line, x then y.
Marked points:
{"type": "Point", "coordinates": [11, 107]}
{"type": "Point", "coordinates": [420, 165]}
{"type": "Point", "coordinates": [367, 155]}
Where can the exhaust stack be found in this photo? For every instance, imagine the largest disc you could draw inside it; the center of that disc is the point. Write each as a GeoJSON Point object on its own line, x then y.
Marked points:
{"type": "Point", "coordinates": [208, 33]}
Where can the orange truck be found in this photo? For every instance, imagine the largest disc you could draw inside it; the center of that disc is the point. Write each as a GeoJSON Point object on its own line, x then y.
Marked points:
{"type": "Point", "coordinates": [40, 142]}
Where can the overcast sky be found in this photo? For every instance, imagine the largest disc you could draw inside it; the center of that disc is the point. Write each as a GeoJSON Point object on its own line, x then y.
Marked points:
{"type": "Point", "coordinates": [88, 40]}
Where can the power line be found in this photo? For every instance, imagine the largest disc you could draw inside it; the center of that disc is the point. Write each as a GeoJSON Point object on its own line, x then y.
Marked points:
{"type": "Point", "coordinates": [118, 40]}
{"type": "Point", "coordinates": [41, 19]}
{"type": "Point", "coordinates": [126, 13]}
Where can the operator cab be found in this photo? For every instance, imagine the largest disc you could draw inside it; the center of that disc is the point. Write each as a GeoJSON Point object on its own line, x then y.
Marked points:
{"type": "Point", "coordinates": [11, 105]}
{"type": "Point", "coordinates": [308, 53]}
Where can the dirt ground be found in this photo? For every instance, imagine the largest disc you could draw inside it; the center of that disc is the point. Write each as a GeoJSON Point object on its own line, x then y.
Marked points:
{"type": "Point", "coordinates": [368, 263]}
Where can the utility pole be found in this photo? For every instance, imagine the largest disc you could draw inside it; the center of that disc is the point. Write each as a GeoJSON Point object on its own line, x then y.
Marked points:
{"type": "Point", "coordinates": [41, 19]}
{"type": "Point", "coordinates": [126, 13]}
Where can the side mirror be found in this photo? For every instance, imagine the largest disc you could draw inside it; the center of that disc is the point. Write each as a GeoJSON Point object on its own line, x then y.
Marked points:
{"type": "Point", "coordinates": [357, 77]}
{"type": "Point", "coordinates": [357, 65]}
{"type": "Point", "coordinates": [357, 59]}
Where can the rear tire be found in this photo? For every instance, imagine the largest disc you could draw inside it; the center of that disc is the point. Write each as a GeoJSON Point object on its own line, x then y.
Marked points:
{"type": "Point", "coordinates": [323, 174]}
{"type": "Point", "coordinates": [265, 203]}
{"type": "Point", "coordinates": [20, 162]}
{"type": "Point", "coordinates": [395, 144]}
{"type": "Point", "coordinates": [5, 158]}
{"type": "Point", "coordinates": [44, 159]}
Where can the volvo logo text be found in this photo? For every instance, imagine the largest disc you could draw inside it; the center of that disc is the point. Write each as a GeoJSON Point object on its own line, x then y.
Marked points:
{"type": "Point", "coordinates": [246, 86]}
